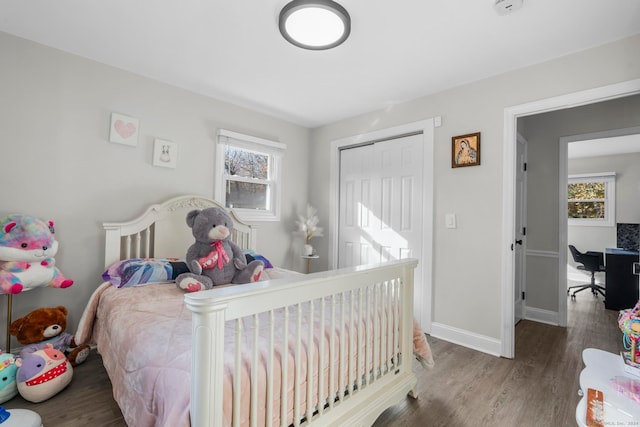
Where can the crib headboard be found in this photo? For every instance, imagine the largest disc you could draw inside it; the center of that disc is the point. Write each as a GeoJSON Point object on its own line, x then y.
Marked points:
{"type": "Point", "coordinates": [162, 231]}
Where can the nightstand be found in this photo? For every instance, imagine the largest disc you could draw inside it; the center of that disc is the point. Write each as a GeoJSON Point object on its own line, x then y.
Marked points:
{"type": "Point", "coordinates": [309, 258]}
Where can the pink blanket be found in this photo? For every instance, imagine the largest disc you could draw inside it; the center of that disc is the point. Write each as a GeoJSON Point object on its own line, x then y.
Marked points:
{"type": "Point", "coordinates": [144, 337]}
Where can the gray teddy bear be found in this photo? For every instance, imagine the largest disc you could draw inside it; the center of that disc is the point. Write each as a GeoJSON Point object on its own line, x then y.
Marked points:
{"type": "Point", "coordinates": [214, 259]}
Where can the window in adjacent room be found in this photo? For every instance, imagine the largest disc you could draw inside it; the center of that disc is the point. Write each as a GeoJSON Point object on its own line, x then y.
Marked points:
{"type": "Point", "coordinates": [592, 199]}
{"type": "Point", "coordinates": [248, 175]}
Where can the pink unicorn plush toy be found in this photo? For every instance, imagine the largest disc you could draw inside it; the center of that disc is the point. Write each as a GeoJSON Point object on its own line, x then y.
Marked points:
{"type": "Point", "coordinates": [27, 248]}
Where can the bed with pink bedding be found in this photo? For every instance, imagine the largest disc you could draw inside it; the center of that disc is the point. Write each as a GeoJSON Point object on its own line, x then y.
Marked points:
{"type": "Point", "coordinates": [215, 358]}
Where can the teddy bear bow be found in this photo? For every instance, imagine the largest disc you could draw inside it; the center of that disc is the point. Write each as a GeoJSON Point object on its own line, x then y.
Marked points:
{"type": "Point", "coordinates": [217, 254]}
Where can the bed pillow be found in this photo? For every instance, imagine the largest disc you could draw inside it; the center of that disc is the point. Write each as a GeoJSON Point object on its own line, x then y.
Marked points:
{"type": "Point", "coordinates": [142, 271]}
{"type": "Point", "coordinates": [251, 255]}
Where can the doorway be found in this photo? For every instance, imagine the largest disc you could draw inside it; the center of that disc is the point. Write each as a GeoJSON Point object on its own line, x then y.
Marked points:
{"type": "Point", "coordinates": [509, 198]}
{"type": "Point", "coordinates": [609, 156]}
{"type": "Point", "coordinates": [349, 245]}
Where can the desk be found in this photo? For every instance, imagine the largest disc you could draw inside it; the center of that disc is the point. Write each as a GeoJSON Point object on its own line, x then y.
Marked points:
{"type": "Point", "coordinates": [621, 283]}
{"type": "Point", "coordinates": [600, 367]}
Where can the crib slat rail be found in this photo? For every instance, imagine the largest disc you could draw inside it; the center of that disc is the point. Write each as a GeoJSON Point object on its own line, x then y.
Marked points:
{"type": "Point", "coordinates": [356, 331]}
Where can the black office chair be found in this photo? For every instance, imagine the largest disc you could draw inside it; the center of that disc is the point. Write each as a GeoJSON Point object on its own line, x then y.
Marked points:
{"type": "Point", "coordinates": [592, 262]}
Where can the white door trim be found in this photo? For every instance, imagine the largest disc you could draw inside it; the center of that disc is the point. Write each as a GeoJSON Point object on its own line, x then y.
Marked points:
{"type": "Point", "coordinates": [426, 128]}
{"type": "Point", "coordinates": [511, 115]}
{"type": "Point", "coordinates": [520, 280]}
{"type": "Point", "coordinates": [563, 212]}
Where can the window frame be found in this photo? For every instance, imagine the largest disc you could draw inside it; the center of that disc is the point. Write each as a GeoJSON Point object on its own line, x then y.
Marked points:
{"type": "Point", "coordinates": [275, 151]}
{"type": "Point", "coordinates": [609, 178]}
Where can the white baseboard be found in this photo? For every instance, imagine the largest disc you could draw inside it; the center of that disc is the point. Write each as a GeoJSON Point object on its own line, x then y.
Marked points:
{"type": "Point", "coordinates": [483, 343]}
{"type": "Point", "coordinates": [542, 316]}
{"type": "Point", "coordinates": [468, 339]}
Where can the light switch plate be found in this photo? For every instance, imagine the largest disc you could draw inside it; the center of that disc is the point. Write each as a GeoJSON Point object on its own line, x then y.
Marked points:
{"type": "Point", "coordinates": [450, 220]}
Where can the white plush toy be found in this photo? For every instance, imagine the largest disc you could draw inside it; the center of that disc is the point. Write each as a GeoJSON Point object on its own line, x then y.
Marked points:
{"type": "Point", "coordinates": [27, 248]}
{"type": "Point", "coordinates": [42, 372]}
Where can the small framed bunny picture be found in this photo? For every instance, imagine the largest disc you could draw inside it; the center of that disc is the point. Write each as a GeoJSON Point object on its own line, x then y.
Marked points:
{"type": "Point", "coordinates": [165, 153]}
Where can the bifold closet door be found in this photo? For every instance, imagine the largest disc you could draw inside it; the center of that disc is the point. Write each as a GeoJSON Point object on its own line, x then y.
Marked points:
{"type": "Point", "coordinates": [381, 202]}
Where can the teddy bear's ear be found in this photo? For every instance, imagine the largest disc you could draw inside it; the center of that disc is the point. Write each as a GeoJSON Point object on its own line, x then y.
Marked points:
{"type": "Point", "coordinates": [15, 326]}
{"type": "Point", "coordinates": [191, 217]}
{"type": "Point", "coordinates": [62, 309]}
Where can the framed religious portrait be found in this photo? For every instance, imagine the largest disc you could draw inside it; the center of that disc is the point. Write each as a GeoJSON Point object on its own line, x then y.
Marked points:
{"type": "Point", "coordinates": [465, 150]}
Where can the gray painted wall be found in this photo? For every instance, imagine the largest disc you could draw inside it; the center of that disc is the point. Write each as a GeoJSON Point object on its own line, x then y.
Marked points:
{"type": "Point", "coordinates": [57, 162]}
{"type": "Point", "coordinates": [467, 260]}
{"type": "Point", "coordinates": [54, 113]}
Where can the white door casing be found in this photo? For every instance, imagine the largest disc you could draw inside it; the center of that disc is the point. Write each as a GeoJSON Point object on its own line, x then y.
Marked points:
{"type": "Point", "coordinates": [520, 243]}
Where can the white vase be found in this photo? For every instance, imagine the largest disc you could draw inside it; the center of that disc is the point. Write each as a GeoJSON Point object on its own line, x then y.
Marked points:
{"type": "Point", "coordinates": [307, 250]}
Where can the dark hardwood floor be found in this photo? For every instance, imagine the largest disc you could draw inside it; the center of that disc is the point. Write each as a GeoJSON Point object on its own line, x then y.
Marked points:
{"type": "Point", "coordinates": [537, 388]}
{"type": "Point", "coordinates": [87, 401]}
{"type": "Point", "coordinates": [465, 388]}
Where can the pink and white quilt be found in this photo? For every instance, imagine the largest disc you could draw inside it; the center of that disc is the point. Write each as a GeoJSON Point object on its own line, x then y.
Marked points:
{"type": "Point", "coordinates": [144, 337]}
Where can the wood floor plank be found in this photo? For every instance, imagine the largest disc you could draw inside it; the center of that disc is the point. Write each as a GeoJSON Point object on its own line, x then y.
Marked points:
{"type": "Point", "coordinates": [466, 388]}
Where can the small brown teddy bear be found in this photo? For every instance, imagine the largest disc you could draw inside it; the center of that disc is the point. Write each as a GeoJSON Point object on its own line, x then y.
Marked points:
{"type": "Point", "coordinates": [45, 326]}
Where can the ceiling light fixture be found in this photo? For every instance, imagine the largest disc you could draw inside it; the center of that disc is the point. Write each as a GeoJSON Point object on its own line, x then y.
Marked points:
{"type": "Point", "coordinates": [505, 7]}
{"type": "Point", "coordinates": [315, 24]}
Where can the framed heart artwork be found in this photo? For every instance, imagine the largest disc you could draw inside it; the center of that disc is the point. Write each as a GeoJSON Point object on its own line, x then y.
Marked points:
{"type": "Point", "coordinates": [123, 130]}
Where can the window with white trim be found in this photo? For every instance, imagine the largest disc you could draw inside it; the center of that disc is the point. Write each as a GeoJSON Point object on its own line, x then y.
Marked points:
{"type": "Point", "coordinates": [592, 199]}
{"type": "Point", "coordinates": [249, 175]}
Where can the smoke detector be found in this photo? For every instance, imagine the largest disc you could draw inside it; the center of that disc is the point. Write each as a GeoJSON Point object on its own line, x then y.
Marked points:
{"type": "Point", "coordinates": [505, 7]}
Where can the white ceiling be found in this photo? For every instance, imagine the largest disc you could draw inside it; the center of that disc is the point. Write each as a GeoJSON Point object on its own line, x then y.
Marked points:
{"type": "Point", "coordinates": [605, 146]}
{"type": "Point", "coordinates": [398, 50]}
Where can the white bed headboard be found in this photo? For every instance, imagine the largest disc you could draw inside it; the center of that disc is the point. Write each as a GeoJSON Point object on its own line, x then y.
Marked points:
{"type": "Point", "coordinates": [162, 231]}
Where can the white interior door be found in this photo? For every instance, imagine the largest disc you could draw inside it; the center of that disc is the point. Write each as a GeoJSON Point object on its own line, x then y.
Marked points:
{"type": "Point", "coordinates": [380, 209]}
{"type": "Point", "coordinates": [519, 245]}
